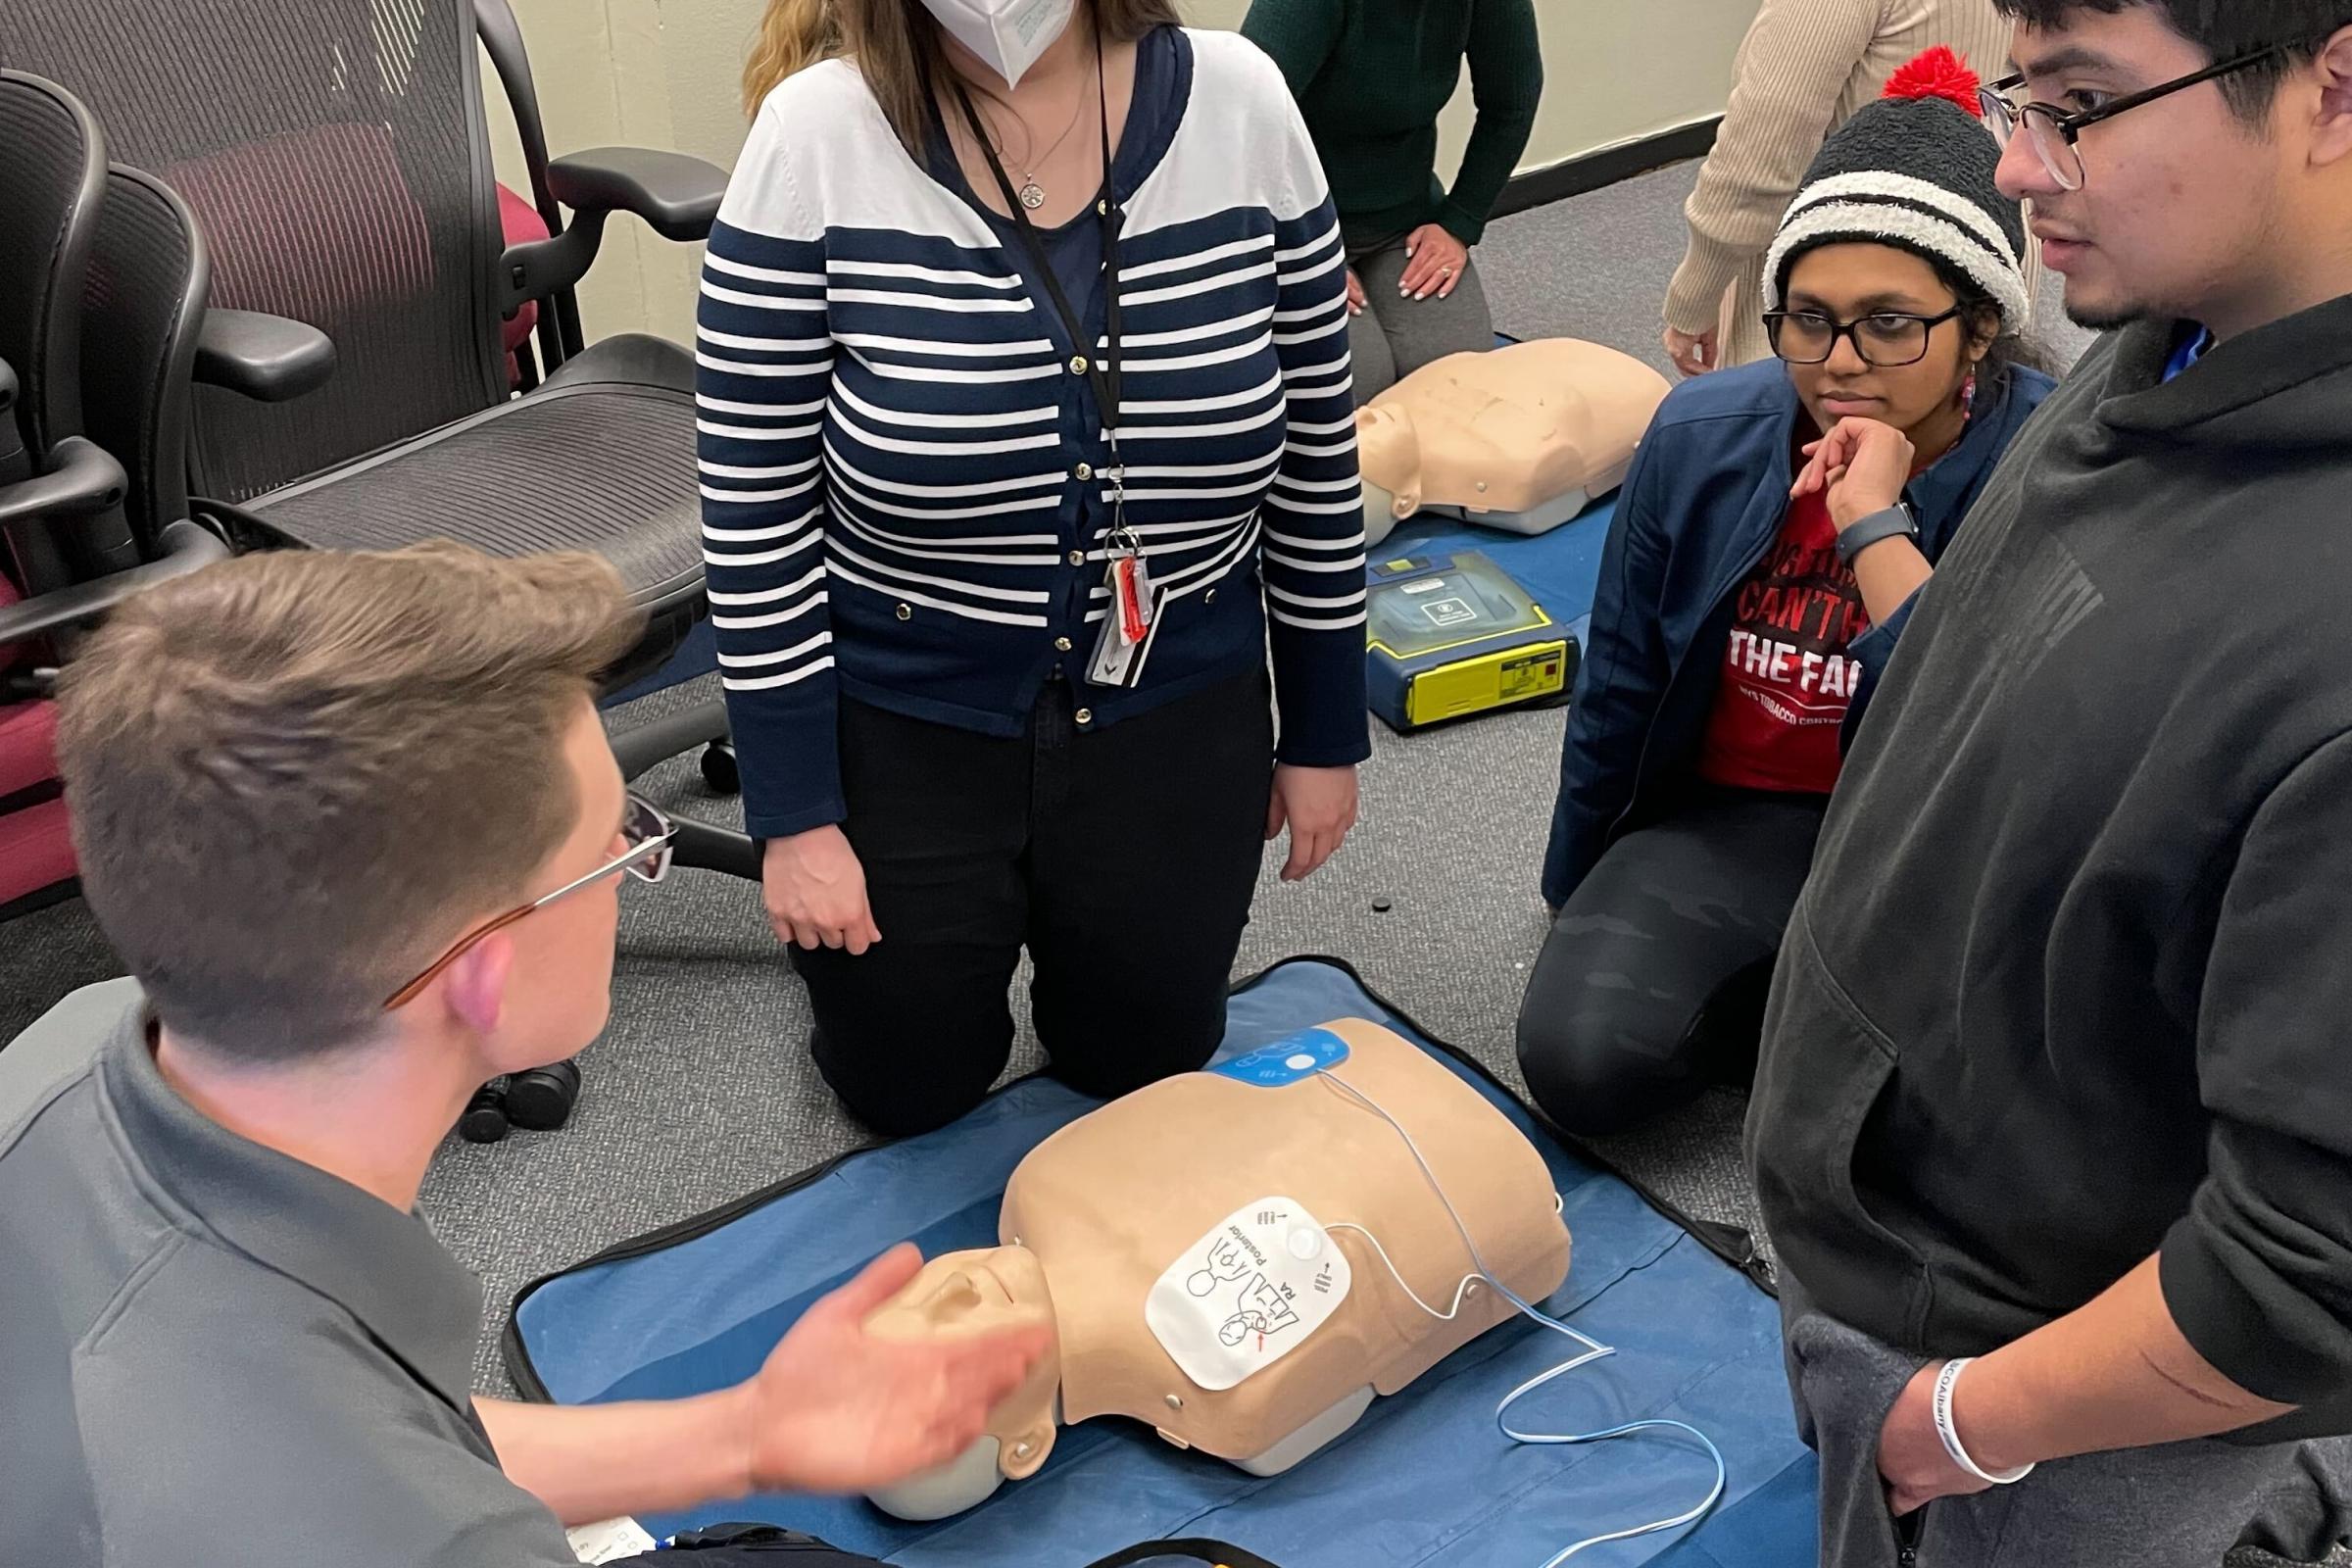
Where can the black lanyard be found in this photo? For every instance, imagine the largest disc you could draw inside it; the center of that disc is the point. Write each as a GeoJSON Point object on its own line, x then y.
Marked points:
{"type": "Point", "coordinates": [1103, 370]}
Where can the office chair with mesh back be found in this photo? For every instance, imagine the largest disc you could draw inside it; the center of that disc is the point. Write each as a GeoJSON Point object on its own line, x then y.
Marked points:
{"type": "Point", "coordinates": [336, 158]}
{"type": "Point", "coordinates": [51, 185]}
{"type": "Point", "coordinates": [52, 206]}
{"type": "Point", "coordinates": [148, 331]}
{"type": "Point", "coordinates": [67, 543]}
{"type": "Point", "coordinates": [144, 323]}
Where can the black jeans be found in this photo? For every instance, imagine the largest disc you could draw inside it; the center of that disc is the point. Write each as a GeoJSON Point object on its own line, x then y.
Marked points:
{"type": "Point", "coordinates": [1125, 859]}
{"type": "Point", "coordinates": [1652, 983]}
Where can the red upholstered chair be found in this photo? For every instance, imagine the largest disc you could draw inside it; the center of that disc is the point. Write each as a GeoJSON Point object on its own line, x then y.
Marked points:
{"type": "Point", "coordinates": [37, 853]}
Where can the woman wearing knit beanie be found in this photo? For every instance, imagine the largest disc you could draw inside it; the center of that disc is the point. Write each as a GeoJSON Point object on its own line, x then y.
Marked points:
{"type": "Point", "coordinates": [1806, 66]}
{"type": "Point", "coordinates": [1768, 543]}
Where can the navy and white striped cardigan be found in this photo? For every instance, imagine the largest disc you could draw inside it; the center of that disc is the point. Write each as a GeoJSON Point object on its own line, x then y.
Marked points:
{"type": "Point", "coordinates": [903, 473]}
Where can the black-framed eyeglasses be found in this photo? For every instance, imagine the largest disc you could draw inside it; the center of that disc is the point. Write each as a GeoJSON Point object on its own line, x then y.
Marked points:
{"type": "Point", "coordinates": [2057, 132]}
{"type": "Point", "coordinates": [1887, 340]}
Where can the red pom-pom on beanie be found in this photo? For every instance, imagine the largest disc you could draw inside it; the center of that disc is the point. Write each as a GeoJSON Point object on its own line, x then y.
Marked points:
{"type": "Point", "coordinates": [1938, 73]}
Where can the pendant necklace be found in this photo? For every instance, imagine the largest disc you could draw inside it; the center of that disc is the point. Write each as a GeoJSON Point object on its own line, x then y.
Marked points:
{"type": "Point", "coordinates": [1033, 194]}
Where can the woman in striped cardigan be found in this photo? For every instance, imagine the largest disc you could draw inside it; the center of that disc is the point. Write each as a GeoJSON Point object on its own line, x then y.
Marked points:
{"type": "Point", "coordinates": [920, 478]}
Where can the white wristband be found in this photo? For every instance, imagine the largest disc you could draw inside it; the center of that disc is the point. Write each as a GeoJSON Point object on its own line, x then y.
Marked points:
{"type": "Point", "coordinates": [1950, 1431]}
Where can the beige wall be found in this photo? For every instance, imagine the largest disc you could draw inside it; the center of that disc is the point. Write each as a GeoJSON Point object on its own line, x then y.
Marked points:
{"type": "Point", "coordinates": [662, 73]}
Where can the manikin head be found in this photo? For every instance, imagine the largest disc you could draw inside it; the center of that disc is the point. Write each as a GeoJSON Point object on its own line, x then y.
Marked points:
{"type": "Point", "coordinates": [299, 779]}
{"type": "Point", "coordinates": [2225, 202]}
{"type": "Point", "coordinates": [1389, 449]}
{"type": "Point", "coordinates": [965, 1295]}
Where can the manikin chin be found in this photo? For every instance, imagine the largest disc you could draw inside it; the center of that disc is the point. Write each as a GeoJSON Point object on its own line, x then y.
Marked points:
{"type": "Point", "coordinates": [1202, 1251]}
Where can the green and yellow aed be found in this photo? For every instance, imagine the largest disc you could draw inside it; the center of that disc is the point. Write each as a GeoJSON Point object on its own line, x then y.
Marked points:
{"type": "Point", "coordinates": [1452, 636]}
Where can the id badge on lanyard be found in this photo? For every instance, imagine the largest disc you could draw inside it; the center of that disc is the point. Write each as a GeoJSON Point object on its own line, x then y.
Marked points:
{"type": "Point", "coordinates": [1134, 607]}
{"type": "Point", "coordinates": [1133, 615]}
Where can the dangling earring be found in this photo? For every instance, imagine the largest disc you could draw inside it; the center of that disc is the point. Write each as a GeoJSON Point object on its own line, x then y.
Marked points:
{"type": "Point", "coordinates": [1968, 394]}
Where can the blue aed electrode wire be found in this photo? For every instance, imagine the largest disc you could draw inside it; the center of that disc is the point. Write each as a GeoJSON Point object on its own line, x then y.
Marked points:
{"type": "Point", "coordinates": [1594, 1350]}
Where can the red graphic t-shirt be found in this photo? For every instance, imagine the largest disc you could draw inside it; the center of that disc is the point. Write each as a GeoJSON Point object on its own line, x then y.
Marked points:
{"type": "Point", "coordinates": [1786, 678]}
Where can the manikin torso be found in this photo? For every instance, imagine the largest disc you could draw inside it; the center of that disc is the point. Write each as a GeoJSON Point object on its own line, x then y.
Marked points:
{"type": "Point", "coordinates": [1138, 1196]}
{"type": "Point", "coordinates": [1506, 431]}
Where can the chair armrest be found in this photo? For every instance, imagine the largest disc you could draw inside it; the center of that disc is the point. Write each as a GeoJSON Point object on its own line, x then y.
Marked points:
{"type": "Point", "coordinates": [676, 194]}
{"type": "Point", "coordinates": [269, 359]}
{"type": "Point", "coordinates": [187, 546]}
{"type": "Point", "coordinates": [86, 479]}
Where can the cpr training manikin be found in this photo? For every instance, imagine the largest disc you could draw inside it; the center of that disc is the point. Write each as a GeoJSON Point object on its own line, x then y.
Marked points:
{"type": "Point", "coordinates": [1209, 1252]}
{"type": "Point", "coordinates": [1520, 438]}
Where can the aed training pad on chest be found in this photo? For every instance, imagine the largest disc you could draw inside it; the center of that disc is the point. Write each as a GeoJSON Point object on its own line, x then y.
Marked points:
{"type": "Point", "coordinates": [1286, 1061]}
{"type": "Point", "coordinates": [1249, 1292]}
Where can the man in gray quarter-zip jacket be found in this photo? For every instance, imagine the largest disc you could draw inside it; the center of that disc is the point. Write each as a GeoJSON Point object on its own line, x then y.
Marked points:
{"type": "Point", "coordinates": [350, 822]}
{"type": "Point", "coordinates": [2056, 1075]}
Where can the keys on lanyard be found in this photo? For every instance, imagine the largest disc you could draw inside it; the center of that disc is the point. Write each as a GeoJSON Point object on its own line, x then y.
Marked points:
{"type": "Point", "coordinates": [1131, 594]}
{"type": "Point", "coordinates": [1132, 617]}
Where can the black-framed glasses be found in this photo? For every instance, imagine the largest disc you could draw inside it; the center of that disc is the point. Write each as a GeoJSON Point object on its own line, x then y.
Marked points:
{"type": "Point", "coordinates": [2057, 132]}
{"type": "Point", "coordinates": [1887, 340]}
{"type": "Point", "coordinates": [646, 832]}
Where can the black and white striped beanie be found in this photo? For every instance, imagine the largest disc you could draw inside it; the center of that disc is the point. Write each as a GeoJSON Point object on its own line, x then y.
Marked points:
{"type": "Point", "coordinates": [1914, 170]}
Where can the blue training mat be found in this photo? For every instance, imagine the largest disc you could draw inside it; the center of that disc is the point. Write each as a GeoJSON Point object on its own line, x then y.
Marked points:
{"type": "Point", "coordinates": [1424, 1479]}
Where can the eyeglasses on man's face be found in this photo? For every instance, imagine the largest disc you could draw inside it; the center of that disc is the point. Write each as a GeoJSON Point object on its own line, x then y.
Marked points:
{"type": "Point", "coordinates": [1887, 340]}
{"type": "Point", "coordinates": [645, 835]}
{"type": "Point", "coordinates": [2057, 131]}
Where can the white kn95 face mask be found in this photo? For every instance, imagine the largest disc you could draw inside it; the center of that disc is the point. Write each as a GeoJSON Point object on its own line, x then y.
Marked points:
{"type": "Point", "coordinates": [1009, 35]}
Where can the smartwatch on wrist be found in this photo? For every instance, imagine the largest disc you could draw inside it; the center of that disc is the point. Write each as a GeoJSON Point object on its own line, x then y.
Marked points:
{"type": "Point", "coordinates": [1896, 521]}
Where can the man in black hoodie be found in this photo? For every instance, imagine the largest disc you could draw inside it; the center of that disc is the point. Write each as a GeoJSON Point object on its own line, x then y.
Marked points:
{"type": "Point", "coordinates": [2053, 1127]}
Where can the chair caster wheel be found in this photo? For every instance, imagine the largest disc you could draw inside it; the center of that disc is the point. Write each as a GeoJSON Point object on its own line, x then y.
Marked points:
{"type": "Point", "coordinates": [718, 769]}
{"type": "Point", "coordinates": [540, 1101]}
{"type": "Point", "coordinates": [485, 1117]}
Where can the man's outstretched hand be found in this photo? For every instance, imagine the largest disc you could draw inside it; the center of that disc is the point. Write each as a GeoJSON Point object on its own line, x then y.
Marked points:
{"type": "Point", "coordinates": [838, 1410]}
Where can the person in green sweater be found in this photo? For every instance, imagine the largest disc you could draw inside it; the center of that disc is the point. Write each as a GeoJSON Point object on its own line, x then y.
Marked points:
{"type": "Point", "coordinates": [1371, 76]}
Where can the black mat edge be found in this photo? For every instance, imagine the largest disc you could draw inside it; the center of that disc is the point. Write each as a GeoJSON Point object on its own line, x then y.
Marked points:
{"type": "Point", "coordinates": [1728, 1243]}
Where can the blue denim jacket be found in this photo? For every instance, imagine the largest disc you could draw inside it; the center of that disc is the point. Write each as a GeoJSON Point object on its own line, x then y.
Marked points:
{"type": "Point", "coordinates": [1706, 497]}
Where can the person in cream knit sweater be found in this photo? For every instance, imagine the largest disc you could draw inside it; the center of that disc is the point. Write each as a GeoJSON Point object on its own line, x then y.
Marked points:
{"type": "Point", "coordinates": [1805, 67]}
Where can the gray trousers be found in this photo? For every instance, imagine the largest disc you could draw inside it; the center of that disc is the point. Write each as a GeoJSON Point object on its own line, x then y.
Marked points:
{"type": "Point", "coordinates": [1396, 336]}
{"type": "Point", "coordinates": [2182, 1505]}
